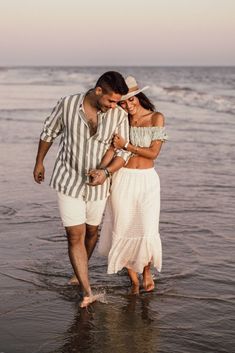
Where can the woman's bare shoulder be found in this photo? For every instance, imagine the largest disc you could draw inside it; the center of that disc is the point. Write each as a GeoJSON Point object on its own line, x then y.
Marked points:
{"type": "Point", "coordinates": [158, 119]}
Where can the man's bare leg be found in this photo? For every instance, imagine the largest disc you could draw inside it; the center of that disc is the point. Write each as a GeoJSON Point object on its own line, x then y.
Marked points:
{"type": "Point", "coordinates": [91, 239]}
{"type": "Point", "coordinates": [134, 281]}
{"type": "Point", "coordinates": [148, 282]}
{"type": "Point", "coordinates": [79, 260]}
{"type": "Point", "coordinates": [90, 243]}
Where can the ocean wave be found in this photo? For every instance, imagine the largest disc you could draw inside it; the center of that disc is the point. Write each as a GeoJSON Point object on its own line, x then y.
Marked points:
{"type": "Point", "coordinates": [205, 88]}
{"type": "Point", "coordinates": [46, 77]}
{"type": "Point", "coordinates": [187, 96]}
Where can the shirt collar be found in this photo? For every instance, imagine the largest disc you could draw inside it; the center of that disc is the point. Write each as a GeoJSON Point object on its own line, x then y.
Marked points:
{"type": "Point", "coordinates": [81, 106]}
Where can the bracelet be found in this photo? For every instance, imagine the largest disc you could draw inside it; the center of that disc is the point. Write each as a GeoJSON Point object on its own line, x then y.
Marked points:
{"type": "Point", "coordinates": [107, 173]}
{"type": "Point", "coordinates": [126, 145]}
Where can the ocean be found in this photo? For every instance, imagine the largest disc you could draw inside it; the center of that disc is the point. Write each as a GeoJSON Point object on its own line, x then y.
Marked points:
{"type": "Point", "coordinates": [192, 307]}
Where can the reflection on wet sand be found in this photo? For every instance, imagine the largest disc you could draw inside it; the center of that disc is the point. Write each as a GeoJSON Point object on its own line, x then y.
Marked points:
{"type": "Point", "coordinates": [130, 327]}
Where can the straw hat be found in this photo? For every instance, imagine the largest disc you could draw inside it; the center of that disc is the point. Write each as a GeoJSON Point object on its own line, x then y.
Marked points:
{"type": "Point", "coordinates": [133, 88]}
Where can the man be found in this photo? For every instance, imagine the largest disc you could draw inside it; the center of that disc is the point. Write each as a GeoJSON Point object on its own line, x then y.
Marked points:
{"type": "Point", "coordinates": [87, 123]}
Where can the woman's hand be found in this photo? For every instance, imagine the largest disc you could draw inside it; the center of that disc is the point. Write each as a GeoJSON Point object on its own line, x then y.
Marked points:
{"type": "Point", "coordinates": [118, 141]}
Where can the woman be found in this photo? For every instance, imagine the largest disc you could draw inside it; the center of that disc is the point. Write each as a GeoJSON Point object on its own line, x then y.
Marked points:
{"type": "Point", "coordinates": [134, 203]}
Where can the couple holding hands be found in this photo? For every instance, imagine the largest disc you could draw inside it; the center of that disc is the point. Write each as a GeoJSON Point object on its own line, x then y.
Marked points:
{"type": "Point", "coordinates": [110, 138]}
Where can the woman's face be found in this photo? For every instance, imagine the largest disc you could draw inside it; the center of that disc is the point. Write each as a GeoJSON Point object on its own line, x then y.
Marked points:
{"type": "Point", "coordinates": [130, 105]}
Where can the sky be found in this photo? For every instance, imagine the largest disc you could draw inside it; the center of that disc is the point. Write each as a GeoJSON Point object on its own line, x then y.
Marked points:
{"type": "Point", "coordinates": [117, 33]}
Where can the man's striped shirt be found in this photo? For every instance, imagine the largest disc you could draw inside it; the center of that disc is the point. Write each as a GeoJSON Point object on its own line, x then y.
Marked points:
{"type": "Point", "coordinates": [78, 150]}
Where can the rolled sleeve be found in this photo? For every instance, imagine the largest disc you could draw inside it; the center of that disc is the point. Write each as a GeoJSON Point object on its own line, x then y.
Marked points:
{"type": "Point", "coordinates": [53, 124]}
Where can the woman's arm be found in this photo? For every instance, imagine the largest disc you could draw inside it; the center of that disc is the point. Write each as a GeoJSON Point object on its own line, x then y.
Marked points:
{"type": "Point", "coordinates": [150, 152]}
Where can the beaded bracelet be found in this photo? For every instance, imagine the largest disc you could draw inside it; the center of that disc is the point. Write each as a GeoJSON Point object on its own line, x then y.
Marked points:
{"type": "Point", "coordinates": [107, 173]}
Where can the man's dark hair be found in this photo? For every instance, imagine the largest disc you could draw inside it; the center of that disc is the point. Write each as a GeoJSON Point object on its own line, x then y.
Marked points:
{"type": "Point", "coordinates": [112, 81]}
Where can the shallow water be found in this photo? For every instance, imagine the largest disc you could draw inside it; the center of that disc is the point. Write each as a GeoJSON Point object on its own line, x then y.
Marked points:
{"type": "Point", "coordinates": [191, 309]}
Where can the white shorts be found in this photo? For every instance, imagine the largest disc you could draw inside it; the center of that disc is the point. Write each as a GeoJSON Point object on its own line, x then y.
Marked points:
{"type": "Point", "coordinates": [76, 211]}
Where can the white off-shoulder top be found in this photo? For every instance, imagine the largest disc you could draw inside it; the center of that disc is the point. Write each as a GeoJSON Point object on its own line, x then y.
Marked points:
{"type": "Point", "coordinates": [143, 136]}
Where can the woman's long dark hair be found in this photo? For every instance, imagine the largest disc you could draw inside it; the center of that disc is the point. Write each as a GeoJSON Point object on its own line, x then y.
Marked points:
{"type": "Point", "coordinates": [145, 102]}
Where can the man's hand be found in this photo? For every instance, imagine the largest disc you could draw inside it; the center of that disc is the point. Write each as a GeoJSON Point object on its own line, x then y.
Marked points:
{"type": "Point", "coordinates": [39, 172]}
{"type": "Point", "coordinates": [97, 177]}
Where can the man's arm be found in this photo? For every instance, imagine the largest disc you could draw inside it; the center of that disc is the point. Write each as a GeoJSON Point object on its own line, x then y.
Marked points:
{"type": "Point", "coordinates": [99, 175]}
{"type": "Point", "coordinates": [120, 159]}
{"type": "Point", "coordinates": [108, 157]}
{"type": "Point", "coordinates": [53, 127]}
{"type": "Point", "coordinates": [39, 170]}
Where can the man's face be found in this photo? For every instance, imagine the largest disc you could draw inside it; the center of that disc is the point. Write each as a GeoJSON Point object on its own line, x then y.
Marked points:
{"type": "Point", "coordinates": [106, 101]}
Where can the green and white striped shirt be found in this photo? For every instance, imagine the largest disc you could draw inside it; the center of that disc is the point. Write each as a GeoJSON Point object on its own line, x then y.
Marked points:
{"type": "Point", "coordinates": [78, 150]}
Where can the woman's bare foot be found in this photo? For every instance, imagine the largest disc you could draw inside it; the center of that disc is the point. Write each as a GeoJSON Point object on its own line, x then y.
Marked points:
{"type": "Point", "coordinates": [135, 289]}
{"type": "Point", "coordinates": [148, 282]}
{"type": "Point", "coordinates": [74, 281]}
{"type": "Point", "coordinates": [90, 299]}
{"type": "Point", "coordinates": [135, 286]}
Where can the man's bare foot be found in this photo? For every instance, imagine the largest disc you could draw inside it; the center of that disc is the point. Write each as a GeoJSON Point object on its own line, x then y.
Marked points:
{"type": "Point", "coordinates": [90, 299]}
{"type": "Point", "coordinates": [148, 282]}
{"type": "Point", "coordinates": [73, 281]}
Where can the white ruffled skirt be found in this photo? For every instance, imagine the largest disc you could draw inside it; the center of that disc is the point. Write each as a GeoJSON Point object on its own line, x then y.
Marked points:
{"type": "Point", "coordinates": [130, 230]}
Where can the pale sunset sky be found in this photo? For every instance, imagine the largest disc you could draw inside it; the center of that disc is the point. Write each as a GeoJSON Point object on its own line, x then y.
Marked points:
{"type": "Point", "coordinates": [124, 32]}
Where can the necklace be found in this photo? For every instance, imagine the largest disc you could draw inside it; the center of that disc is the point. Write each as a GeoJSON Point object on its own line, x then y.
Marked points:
{"type": "Point", "coordinates": [137, 120]}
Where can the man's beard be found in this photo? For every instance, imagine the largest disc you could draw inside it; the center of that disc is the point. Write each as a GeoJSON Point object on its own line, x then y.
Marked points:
{"type": "Point", "coordinates": [103, 108]}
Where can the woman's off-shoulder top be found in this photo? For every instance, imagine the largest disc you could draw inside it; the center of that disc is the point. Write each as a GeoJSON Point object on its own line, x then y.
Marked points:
{"type": "Point", "coordinates": [143, 136]}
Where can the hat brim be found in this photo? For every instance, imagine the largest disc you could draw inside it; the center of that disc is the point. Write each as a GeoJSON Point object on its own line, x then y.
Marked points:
{"type": "Point", "coordinates": [133, 93]}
